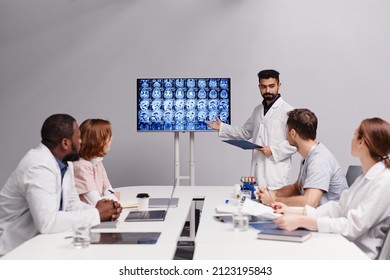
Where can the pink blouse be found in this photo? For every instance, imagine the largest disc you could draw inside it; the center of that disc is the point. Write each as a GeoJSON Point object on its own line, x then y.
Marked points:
{"type": "Point", "coordinates": [90, 176]}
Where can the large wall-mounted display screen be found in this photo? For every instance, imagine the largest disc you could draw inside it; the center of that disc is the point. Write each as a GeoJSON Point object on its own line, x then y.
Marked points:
{"type": "Point", "coordinates": [182, 104]}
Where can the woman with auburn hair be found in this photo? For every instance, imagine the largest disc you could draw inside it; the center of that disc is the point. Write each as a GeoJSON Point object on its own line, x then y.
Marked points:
{"type": "Point", "coordinates": [362, 214]}
{"type": "Point", "coordinates": [91, 179]}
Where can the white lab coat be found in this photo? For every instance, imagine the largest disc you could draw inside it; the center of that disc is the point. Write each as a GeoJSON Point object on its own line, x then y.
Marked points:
{"type": "Point", "coordinates": [30, 200]}
{"type": "Point", "coordinates": [269, 130]}
{"type": "Point", "coordinates": [362, 214]}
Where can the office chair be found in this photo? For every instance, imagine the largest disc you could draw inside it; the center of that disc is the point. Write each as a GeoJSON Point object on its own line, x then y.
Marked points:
{"type": "Point", "coordinates": [353, 172]}
{"type": "Point", "coordinates": [384, 252]}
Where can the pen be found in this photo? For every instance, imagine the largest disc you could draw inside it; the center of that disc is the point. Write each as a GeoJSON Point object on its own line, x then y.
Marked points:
{"type": "Point", "coordinates": [269, 192]}
{"type": "Point", "coordinates": [110, 191]}
{"type": "Point", "coordinates": [227, 201]}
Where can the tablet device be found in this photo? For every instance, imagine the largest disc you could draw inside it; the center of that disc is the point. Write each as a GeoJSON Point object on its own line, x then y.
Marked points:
{"type": "Point", "coordinates": [124, 237]}
{"type": "Point", "coordinates": [146, 216]}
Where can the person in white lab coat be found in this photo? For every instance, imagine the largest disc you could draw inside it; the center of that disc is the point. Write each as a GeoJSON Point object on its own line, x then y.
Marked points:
{"type": "Point", "coordinates": [272, 164]}
{"type": "Point", "coordinates": [40, 195]}
{"type": "Point", "coordinates": [362, 214]}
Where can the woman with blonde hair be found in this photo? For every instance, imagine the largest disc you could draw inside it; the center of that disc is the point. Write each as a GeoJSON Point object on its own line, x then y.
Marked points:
{"type": "Point", "coordinates": [362, 214]}
{"type": "Point", "coordinates": [91, 179]}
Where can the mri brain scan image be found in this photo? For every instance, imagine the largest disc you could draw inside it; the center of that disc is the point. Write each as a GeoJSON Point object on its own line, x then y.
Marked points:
{"type": "Point", "coordinates": [156, 93]}
{"type": "Point", "coordinates": [168, 104]}
{"type": "Point", "coordinates": [182, 104]}
{"type": "Point", "coordinates": [144, 105]}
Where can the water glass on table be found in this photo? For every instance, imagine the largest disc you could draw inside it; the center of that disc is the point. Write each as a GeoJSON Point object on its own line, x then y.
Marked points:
{"type": "Point", "coordinates": [81, 235]}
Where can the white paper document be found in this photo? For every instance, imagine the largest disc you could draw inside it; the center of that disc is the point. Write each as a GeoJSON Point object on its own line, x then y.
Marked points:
{"type": "Point", "coordinates": [227, 209]}
{"type": "Point", "coordinates": [257, 209]}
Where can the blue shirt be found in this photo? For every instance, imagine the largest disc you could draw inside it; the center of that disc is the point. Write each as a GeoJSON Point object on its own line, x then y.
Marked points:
{"type": "Point", "coordinates": [63, 168]}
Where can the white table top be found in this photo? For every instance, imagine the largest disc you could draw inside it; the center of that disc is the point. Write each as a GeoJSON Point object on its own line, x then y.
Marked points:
{"type": "Point", "coordinates": [214, 240]}
{"type": "Point", "coordinates": [56, 246]}
{"type": "Point", "coordinates": [217, 240]}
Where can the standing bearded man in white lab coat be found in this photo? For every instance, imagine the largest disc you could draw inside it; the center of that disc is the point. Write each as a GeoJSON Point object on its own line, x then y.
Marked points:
{"type": "Point", "coordinates": [271, 164]}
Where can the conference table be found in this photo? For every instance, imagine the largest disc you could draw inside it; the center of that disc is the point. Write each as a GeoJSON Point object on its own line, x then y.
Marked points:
{"type": "Point", "coordinates": [214, 240]}
{"type": "Point", "coordinates": [59, 246]}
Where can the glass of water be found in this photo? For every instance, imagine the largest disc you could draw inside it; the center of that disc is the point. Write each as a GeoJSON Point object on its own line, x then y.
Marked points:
{"type": "Point", "coordinates": [240, 222]}
{"type": "Point", "coordinates": [81, 235]}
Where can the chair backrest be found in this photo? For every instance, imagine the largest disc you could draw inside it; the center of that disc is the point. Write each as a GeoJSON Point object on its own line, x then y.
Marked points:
{"type": "Point", "coordinates": [384, 253]}
{"type": "Point", "coordinates": [353, 172]}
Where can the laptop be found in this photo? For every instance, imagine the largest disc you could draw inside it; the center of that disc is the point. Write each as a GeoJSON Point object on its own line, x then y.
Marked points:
{"type": "Point", "coordinates": [153, 215]}
{"type": "Point", "coordinates": [162, 202]}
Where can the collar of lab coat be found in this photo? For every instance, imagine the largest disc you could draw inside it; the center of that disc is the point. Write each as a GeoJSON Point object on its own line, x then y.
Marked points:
{"type": "Point", "coordinates": [372, 173]}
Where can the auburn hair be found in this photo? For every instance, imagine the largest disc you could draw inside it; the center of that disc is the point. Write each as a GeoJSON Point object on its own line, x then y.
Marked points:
{"type": "Point", "coordinates": [95, 134]}
{"type": "Point", "coordinates": [375, 133]}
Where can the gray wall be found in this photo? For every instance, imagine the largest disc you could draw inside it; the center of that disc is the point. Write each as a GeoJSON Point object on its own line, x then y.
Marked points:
{"type": "Point", "coordinates": [83, 57]}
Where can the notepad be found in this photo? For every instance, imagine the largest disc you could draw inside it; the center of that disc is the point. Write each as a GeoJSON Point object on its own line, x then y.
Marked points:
{"type": "Point", "coordinates": [243, 144]}
{"type": "Point", "coordinates": [283, 235]}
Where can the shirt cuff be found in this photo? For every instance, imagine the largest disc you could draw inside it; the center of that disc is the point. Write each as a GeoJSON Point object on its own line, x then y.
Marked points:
{"type": "Point", "coordinates": [96, 219]}
{"type": "Point", "coordinates": [323, 224]}
{"type": "Point", "coordinates": [310, 211]}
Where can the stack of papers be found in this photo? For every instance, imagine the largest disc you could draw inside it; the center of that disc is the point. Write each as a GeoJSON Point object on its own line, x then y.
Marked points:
{"type": "Point", "coordinates": [227, 209]}
{"type": "Point", "coordinates": [250, 207]}
{"type": "Point", "coordinates": [258, 209]}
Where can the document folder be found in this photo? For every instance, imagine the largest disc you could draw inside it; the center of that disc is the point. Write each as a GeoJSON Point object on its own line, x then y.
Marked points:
{"type": "Point", "coordinates": [243, 144]}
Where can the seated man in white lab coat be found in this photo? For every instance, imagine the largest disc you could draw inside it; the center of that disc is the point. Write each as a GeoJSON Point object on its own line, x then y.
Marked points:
{"type": "Point", "coordinates": [320, 178]}
{"type": "Point", "coordinates": [40, 195]}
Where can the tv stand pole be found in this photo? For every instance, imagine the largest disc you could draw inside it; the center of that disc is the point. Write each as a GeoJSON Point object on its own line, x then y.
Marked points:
{"type": "Point", "coordinates": [191, 177]}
